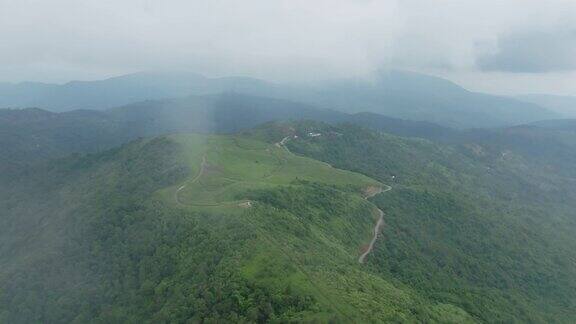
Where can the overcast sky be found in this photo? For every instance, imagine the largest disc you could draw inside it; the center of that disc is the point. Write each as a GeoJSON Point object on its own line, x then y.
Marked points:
{"type": "Point", "coordinates": [501, 46]}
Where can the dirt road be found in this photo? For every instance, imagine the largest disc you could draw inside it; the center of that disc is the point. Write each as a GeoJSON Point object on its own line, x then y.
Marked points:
{"type": "Point", "coordinates": [200, 173]}
{"type": "Point", "coordinates": [282, 142]}
{"type": "Point", "coordinates": [379, 223]}
{"type": "Point", "coordinates": [370, 192]}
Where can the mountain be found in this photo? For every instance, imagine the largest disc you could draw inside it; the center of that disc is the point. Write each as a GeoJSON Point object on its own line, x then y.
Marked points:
{"type": "Point", "coordinates": [117, 91]}
{"type": "Point", "coordinates": [564, 106]}
{"type": "Point", "coordinates": [269, 225]}
{"type": "Point", "coordinates": [30, 135]}
{"type": "Point", "coordinates": [464, 230]}
{"type": "Point", "coordinates": [193, 228]}
{"type": "Point", "coordinates": [397, 94]}
{"type": "Point", "coordinates": [401, 127]}
{"type": "Point", "coordinates": [546, 145]}
{"type": "Point", "coordinates": [557, 124]}
{"type": "Point", "coordinates": [222, 113]}
{"type": "Point", "coordinates": [419, 97]}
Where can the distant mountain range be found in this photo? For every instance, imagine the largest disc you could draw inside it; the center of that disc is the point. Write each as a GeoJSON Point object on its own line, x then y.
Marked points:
{"type": "Point", "coordinates": [396, 94]}
{"type": "Point", "coordinates": [562, 105]}
{"type": "Point", "coordinates": [30, 135]}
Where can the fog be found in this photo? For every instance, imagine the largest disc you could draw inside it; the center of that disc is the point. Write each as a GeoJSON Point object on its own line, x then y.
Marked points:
{"type": "Point", "coordinates": [520, 46]}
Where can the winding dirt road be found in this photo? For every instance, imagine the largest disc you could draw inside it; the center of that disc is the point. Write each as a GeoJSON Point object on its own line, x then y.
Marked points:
{"type": "Point", "coordinates": [200, 173]}
{"type": "Point", "coordinates": [282, 142]}
{"type": "Point", "coordinates": [371, 192]}
{"type": "Point", "coordinates": [378, 225]}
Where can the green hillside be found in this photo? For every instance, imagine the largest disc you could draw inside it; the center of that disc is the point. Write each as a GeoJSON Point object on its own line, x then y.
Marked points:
{"type": "Point", "coordinates": [109, 238]}
{"type": "Point", "coordinates": [493, 236]}
{"type": "Point", "coordinates": [237, 228]}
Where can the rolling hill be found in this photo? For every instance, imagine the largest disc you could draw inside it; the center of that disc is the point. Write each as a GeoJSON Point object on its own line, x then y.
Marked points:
{"type": "Point", "coordinates": [564, 106]}
{"type": "Point", "coordinates": [398, 94]}
{"type": "Point", "coordinates": [493, 236]}
{"type": "Point", "coordinates": [158, 230]}
{"type": "Point", "coordinates": [238, 228]}
{"type": "Point", "coordinates": [30, 135]}
{"type": "Point", "coordinates": [108, 93]}
{"type": "Point", "coordinates": [420, 97]}
{"type": "Point", "coordinates": [219, 221]}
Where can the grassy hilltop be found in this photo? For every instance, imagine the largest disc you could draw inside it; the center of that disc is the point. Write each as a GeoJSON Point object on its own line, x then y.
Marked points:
{"type": "Point", "coordinates": [159, 230]}
{"type": "Point", "coordinates": [225, 168]}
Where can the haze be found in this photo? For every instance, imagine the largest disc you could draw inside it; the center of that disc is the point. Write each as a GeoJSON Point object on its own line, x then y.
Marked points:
{"type": "Point", "coordinates": [514, 47]}
{"type": "Point", "coordinates": [287, 161]}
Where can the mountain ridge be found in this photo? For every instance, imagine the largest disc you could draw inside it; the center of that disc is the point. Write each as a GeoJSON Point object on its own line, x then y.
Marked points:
{"type": "Point", "coordinates": [399, 94]}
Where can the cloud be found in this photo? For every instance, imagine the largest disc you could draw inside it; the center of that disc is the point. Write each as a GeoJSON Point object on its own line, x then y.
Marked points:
{"type": "Point", "coordinates": [533, 52]}
{"type": "Point", "coordinates": [301, 40]}
{"type": "Point", "coordinates": [263, 38]}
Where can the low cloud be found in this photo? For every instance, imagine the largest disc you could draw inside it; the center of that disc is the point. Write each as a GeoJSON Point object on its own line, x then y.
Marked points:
{"type": "Point", "coordinates": [281, 40]}
{"type": "Point", "coordinates": [533, 52]}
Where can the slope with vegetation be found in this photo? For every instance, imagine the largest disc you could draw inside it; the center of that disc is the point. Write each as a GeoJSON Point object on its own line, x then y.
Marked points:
{"type": "Point", "coordinates": [234, 228]}
{"type": "Point", "coordinates": [33, 135]}
{"type": "Point", "coordinates": [101, 238]}
{"type": "Point", "coordinates": [30, 135]}
{"type": "Point", "coordinates": [493, 236]}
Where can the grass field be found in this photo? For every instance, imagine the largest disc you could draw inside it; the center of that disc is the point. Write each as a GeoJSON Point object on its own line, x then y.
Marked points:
{"type": "Point", "coordinates": [235, 165]}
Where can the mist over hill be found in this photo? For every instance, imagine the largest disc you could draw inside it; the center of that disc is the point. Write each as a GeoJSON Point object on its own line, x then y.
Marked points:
{"type": "Point", "coordinates": [398, 94]}
{"type": "Point", "coordinates": [35, 134]}
{"type": "Point", "coordinates": [274, 161]}
{"type": "Point", "coordinates": [31, 135]}
{"type": "Point", "coordinates": [564, 106]}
